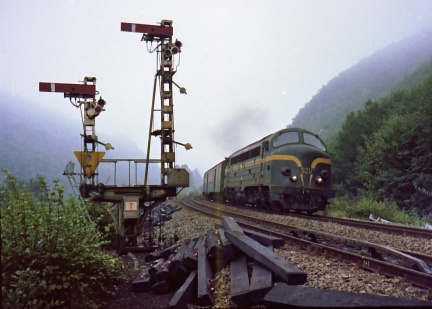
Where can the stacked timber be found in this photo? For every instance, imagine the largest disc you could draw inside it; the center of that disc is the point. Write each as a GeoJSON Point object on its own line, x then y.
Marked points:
{"type": "Point", "coordinates": [161, 214]}
{"type": "Point", "coordinates": [190, 266]}
{"type": "Point", "coordinates": [257, 274]}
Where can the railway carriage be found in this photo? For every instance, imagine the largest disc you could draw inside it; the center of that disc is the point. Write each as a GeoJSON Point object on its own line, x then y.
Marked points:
{"type": "Point", "coordinates": [287, 170]}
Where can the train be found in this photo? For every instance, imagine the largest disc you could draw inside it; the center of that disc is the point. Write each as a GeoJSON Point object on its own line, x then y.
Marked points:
{"type": "Point", "coordinates": [289, 170]}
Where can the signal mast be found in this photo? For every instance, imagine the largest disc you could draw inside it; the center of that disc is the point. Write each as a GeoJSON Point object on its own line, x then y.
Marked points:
{"type": "Point", "coordinates": [129, 205]}
{"type": "Point", "coordinates": [83, 96]}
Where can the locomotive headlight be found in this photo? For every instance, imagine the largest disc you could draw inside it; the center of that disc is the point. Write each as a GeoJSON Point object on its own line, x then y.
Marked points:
{"type": "Point", "coordinates": [293, 178]}
{"type": "Point", "coordinates": [319, 180]}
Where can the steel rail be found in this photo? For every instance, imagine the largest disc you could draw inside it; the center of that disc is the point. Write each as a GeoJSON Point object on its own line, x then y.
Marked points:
{"type": "Point", "coordinates": [415, 277]}
{"type": "Point", "coordinates": [396, 229]}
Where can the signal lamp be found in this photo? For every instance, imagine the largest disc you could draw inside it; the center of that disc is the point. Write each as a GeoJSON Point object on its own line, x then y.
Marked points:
{"type": "Point", "coordinates": [324, 174]}
{"type": "Point", "coordinates": [178, 43]}
{"type": "Point", "coordinates": [101, 102]}
{"type": "Point", "coordinates": [286, 171]}
{"type": "Point", "coordinates": [167, 53]}
{"type": "Point", "coordinates": [174, 50]}
{"type": "Point", "coordinates": [92, 113]}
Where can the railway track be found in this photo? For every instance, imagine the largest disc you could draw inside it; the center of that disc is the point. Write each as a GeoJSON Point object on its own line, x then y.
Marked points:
{"type": "Point", "coordinates": [396, 229]}
{"type": "Point", "coordinates": [412, 266]}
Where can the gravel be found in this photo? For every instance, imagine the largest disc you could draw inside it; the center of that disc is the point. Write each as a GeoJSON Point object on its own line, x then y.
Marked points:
{"type": "Point", "coordinates": [323, 273]}
{"type": "Point", "coordinates": [399, 242]}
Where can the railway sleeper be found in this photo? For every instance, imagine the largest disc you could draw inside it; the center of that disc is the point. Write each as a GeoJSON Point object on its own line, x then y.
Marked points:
{"type": "Point", "coordinates": [282, 295]}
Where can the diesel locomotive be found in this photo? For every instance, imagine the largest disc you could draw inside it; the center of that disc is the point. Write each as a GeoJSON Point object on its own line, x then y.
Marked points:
{"type": "Point", "coordinates": [287, 170]}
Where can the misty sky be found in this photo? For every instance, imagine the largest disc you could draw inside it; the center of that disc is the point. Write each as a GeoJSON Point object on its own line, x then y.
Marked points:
{"type": "Point", "coordinates": [248, 66]}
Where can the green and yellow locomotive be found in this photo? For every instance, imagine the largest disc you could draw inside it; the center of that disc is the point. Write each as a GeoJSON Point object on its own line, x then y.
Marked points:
{"type": "Point", "coordinates": [286, 170]}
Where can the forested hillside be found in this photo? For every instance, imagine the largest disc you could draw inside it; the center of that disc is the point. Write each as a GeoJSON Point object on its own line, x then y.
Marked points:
{"type": "Point", "coordinates": [371, 78]}
{"type": "Point", "coordinates": [385, 148]}
{"type": "Point", "coordinates": [33, 140]}
{"type": "Point", "coordinates": [36, 142]}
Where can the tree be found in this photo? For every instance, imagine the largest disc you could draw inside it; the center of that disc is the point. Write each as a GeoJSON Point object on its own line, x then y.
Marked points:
{"type": "Point", "coordinates": [396, 163]}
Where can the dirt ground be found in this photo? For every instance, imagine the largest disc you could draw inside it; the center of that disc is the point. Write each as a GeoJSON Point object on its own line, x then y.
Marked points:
{"type": "Point", "coordinates": [126, 298]}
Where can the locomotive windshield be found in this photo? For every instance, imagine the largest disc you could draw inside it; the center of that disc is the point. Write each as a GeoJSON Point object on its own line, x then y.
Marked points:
{"type": "Point", "coordinates": [293, 137]}
{"type": "Point", "coordinates": [286, 138]}
{"type": "Point", "coordinates": [313, 140]}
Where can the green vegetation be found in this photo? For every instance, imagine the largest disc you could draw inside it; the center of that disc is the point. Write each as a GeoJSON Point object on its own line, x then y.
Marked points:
{"type": "Point", "coordinates": [51, 250]}
{"type": "Point", "coordinates": [376, 119]}
{"type": "Point", "coordinates": [362, 207]}
{"type": "Point", "coordinates": [373, 77]}
{"type": "Point", "coordinates": [385, 149]}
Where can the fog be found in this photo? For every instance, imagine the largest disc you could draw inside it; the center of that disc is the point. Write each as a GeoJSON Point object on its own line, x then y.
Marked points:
{"type": "Point", "coordinates": [248, 66]}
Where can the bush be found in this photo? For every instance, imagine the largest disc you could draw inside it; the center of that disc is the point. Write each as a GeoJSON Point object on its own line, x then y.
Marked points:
{"type": "Point", "coordinates": [362, 207]}
{"type": "Point", "coordinates": [51, 255]}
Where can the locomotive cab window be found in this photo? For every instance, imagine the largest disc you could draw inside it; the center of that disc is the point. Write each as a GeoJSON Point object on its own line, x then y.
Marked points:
{"type": "Point", "coordinates": [286, 138]}
{"type": "Point", "coordinates": [314, 141]}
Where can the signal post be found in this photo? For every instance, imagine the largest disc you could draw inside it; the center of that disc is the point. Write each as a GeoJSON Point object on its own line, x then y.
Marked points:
{"type": "Point", "coordinates": [130, 205]}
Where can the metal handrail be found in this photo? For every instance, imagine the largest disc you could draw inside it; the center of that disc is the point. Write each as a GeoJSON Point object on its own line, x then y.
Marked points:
{"type": "Point", "coordinates": [136, 161]}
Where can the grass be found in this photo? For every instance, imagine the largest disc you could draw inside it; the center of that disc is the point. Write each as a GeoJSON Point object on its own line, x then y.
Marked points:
{"type": "Point", "coordinates": [362, 207]}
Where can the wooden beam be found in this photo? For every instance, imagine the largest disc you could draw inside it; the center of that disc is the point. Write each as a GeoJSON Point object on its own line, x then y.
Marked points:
{"type": "Point", "coordinates": [282, 295]}
{"type": "Point", "coordinates": [205, 277]}
{"type": "Point", "coordinates": [261, 282]}
{"type": "Point", "coordinates": [264, 239]}
{"type": "Point", "coordinates": [142, 282]}
{"type": "Point", "coordinates": [160, 287]}
{"type": "Point", "coordinates": [214, 244]}
{"type": "Point", "coordinates": [287, 272]}
{"type": "Point", "coordinates": [228, 248]}
{"type": "Point", "coordinates": [191, 255]}
{"type": "Point", "coordinates": [176, 269]}
{"type": "Point", "coordinates": [185, 293]}
{"type": "Point", "coordinates": [239, 284]}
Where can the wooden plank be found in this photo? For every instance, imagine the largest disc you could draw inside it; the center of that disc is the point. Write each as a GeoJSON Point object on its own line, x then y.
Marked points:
{"type": "Point", "coordinates": [214, 244]}
{"type": "Point", "coordinates": [239, 284]}
{"type": "Point", "coordinates": [287, 272]}
{"type": "Point", "coordinates": [228, 248]}
{"type": "Point", "coordinates": [264, 239]}
{"type": "Point", "coordinates": [191, 256]}
{"type": "Point", "coordinates": [163, 270]}
{"type": "Point", "coordinates": [180, 276]}
{"type": "Point", "coordinates": [282, 295]}
{"type": "Point", "coordinates": [205, 277]}
{"type": "Point", "coordinates": [161, 254]}
{"type": "Point", "coordinates": [160, 287]}
{"type": "Point", "coordinates": [230, 225]}
{"type": "Point", "coordinates": [165, 253]}
{"type": "Point", "coordinates": [176, 269]}
{"type": "Point", "coordinates": [142, 282]}
{"type": "Point", "coordinates": [261, 282]}
{"type": "Point", "coordinates": [177, 260]}
{"type": "Point", "coordinates": [185, 293]}
{"type": "Point", "coordinates": [153, 267]}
